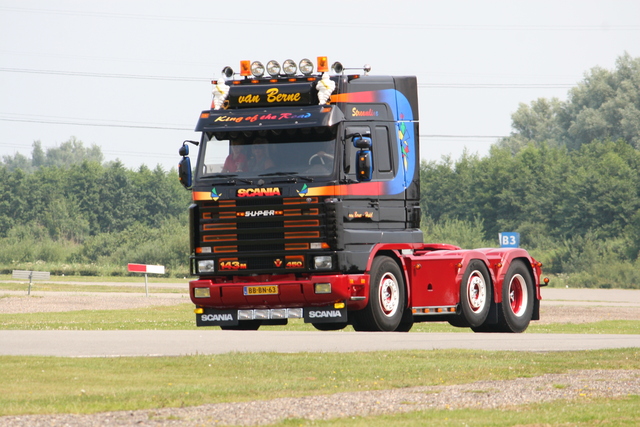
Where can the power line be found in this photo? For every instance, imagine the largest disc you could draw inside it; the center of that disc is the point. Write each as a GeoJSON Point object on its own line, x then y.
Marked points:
{"type": "Point", "coordinates": [496, 85]}
{"type": "Point", "coordinates": [463, 136]}
{"type": "Point", "coordinates": [205, 79]}
{"type": "Point", "coordinates": [89, 122]}
{"type": "Point", "coordinates": [324, 24]}
{"type": "Point", "coordinates": [103, 75]}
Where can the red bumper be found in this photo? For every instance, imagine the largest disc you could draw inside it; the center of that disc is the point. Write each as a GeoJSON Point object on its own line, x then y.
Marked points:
{"type": "Point", "coordinates": [353, 289]}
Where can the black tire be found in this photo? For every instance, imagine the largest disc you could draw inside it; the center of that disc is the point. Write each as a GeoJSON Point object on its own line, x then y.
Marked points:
{"type": "Point", "coordinates": [516, 309]}
{"type": "Point", "coordinates": [406, 323]}
{"type": "Point", "coordinates": [329, 326]}
{"type": "Point", "coordinates": [458, 322]}
{"type": "Point", "coordinates": [244, 325]}
{"type": "Point", "coordinates": [475, 293]}
{"type": "Point", "coordinates": [385, 309]}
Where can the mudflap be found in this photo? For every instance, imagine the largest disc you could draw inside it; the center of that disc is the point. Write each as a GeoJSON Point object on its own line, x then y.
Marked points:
{"type": "Point", "coordinates": [212, 317]}
{"type": "Point", "coordinates": [326, 314]}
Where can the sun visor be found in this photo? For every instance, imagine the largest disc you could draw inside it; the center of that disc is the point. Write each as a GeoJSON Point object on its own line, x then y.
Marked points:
{"type": "Point", "coordinates": [273, 118]}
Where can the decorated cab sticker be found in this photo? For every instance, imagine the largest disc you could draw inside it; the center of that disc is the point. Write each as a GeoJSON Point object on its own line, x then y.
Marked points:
{"type": "Point", "coordinates": [303, 192]}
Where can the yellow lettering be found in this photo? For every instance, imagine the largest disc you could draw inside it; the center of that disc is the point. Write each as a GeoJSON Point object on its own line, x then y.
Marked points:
{"type": "Point", "coordinates": [274, 95]}
{"type": "Point", "coordinates": [249, 99]}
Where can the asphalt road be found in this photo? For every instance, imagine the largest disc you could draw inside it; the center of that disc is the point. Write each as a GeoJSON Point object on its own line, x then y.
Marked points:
{"type": "Point", "coordinates": [209, 341]}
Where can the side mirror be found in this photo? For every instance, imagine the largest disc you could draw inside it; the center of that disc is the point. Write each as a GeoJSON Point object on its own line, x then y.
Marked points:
{"type": "Point", "coordinates": [362, 142]}
{"type": "Point", "coordinates": [184, 172]}
{"type": "Point", "coordinates": [185, 175]}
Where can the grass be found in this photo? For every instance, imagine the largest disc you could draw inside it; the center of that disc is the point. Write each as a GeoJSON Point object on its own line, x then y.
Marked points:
{"type": "Point", "coordinates": [622, 411]}
{"type": "Point", "coordinates": [137, 278]}
{"type": "Point", "coordinates": [173, 317]}
{"type": "Point", "coordinates": [134, 288]}
{"type": "Point", "coordinates": [41, 385]}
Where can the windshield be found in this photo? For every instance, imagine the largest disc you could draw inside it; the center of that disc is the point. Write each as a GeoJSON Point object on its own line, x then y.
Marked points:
{"type": "Point", "coordinates": [305, 152]}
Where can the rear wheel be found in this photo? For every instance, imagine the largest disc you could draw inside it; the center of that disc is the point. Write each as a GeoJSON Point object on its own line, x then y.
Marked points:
{"type": "Point", "coordinates": [475, 293]}
{"type": "Point", "coordinates": [386, 298]}
{"type": "Point", "coordinates": [516, 308]}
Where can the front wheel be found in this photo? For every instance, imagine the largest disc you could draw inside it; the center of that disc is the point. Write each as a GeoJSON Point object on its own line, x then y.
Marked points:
{"type": "Point", "coordinates": [386, 298]}
{"type": "Point", "coordinates": [475, 293]}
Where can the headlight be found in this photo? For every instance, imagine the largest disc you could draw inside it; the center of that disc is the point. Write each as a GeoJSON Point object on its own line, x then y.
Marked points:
{"type": "Point", "coordinates": [273, 68]}
{"type": "Point", "coordinates": [206, 266]}
{"type": "Point", "coordinates": [322, 262]}
{"type": "Point", "coordinates": [289, 67]}
{"type": "Point", "coordinates": [306, 67]}
{"type": "Point", "coordinates": [201, 293]}
{"type": "Point", "coordinates": [322, 288]}
{"type": "Point", "coordinates": [257, 69]}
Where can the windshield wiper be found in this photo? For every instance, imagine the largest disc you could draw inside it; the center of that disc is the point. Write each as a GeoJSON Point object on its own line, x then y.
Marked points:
{"type": "Point", "coordinates": [223, 175]}
{"type": "Point", "coordinates": [293, 176]}
{"type": "Point", "coordinates": [232, 181]}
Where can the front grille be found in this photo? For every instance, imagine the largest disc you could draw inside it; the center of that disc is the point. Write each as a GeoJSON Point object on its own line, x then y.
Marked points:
{"type": "Point", "coordinates": [257, 231]}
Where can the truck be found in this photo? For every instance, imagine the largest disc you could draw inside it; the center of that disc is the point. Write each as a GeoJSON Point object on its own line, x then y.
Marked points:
{"type": "Point", "coordinates": [306, 205]}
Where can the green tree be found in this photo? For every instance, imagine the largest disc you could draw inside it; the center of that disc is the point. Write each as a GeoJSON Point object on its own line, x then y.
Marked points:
{"type": "Point", "coordinates": [605, 105]}
{"type": "Point", "coordinates": [118, 205]}
{"type": "Point", "coordinates": [602, 189]}
{"type": "Point", "coordinates": [538, 123]}
{"type": "Point", "coordinates": [68, 153]}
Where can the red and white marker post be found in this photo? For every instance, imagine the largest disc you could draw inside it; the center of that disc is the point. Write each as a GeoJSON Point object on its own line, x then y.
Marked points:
{"type": "Point", "coordinates": [143, 268]}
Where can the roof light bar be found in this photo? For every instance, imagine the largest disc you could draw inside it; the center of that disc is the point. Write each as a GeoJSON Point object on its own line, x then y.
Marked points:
{"type": "Point", "coordinates": [289, 68]}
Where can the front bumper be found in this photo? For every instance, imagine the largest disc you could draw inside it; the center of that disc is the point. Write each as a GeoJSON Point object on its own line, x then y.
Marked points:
{"type": "Point", "coordinates": [333, 313]}
{"type": "Point", "coordinates": [275, 292]}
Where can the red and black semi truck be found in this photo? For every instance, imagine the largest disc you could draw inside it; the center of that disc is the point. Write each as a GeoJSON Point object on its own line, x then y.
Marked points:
{"type": "Point", "coordinates": [306, 205]}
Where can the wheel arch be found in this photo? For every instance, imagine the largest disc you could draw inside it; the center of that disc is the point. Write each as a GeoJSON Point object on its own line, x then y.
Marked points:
{"type": "Point", "coordinates": [395, 254]}
{"type": "Point", "coordinates": [500, 261]}
{"type": "Point", "coordinates": [467, 256]}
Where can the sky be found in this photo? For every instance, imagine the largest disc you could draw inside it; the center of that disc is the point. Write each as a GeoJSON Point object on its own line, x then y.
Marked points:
{"type": "Point", "coordinates": [133, 76]}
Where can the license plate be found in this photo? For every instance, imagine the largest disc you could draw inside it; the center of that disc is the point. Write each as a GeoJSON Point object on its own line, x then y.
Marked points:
{"type": "Point", "coordinates": [261, 290]}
